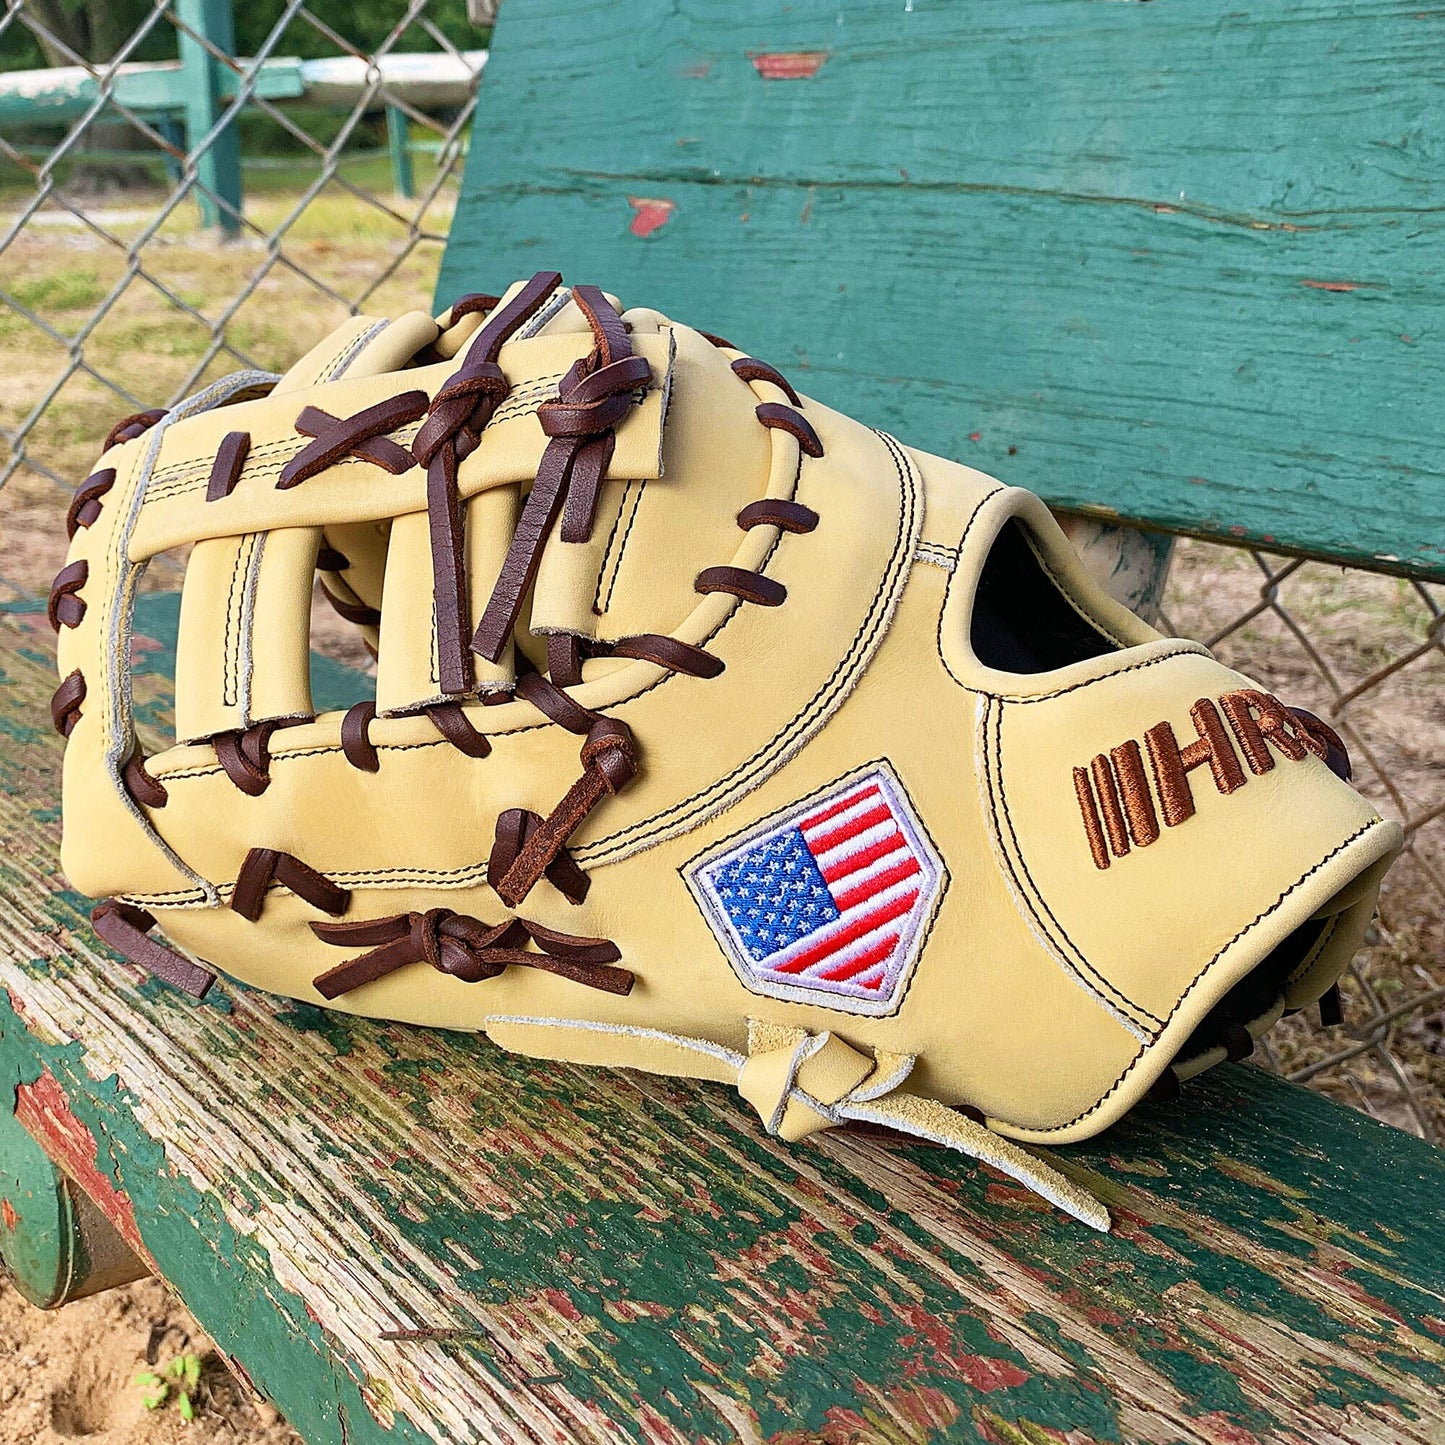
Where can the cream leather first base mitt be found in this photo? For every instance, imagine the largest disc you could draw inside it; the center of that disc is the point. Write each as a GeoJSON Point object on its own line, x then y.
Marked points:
{"type": "Point", "coordinates": [714, 734]}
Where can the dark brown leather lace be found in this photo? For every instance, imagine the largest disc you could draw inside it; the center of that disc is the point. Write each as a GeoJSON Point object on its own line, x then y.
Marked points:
{"type": "Point", "coordinates": [127, 929]}
{"type": "Point", "coordinates": [128, 428]}
{"type": "Point", "coordinates": [363, 434]}
{"type": "Point", "coordinates": [1324, 742]}
{"type": "Point", "coordinates": [450, 434]}
{"type": "Point", "coordinates": [66, 607]}
{"type": "Point", "coordinates": [466, 948]}
{"type": "Point", "coordinates": [593, 399]}
{"type": "Point", "coordinates": [85, 504]}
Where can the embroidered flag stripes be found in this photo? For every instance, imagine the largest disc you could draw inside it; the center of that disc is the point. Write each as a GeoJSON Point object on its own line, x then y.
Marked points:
{"type": "Point", "coordinates": [827, 902]}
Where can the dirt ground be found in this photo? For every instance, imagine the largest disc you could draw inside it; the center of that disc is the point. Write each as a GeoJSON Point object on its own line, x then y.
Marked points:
{"type": "Point", "coordinates": [70, 1373]}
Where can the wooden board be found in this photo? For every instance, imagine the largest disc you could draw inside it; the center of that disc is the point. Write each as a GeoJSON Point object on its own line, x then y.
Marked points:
{"type": "Point", "coordinates": [1175, 263]}
{"type": "Point", "coordinates": [615, 1257]}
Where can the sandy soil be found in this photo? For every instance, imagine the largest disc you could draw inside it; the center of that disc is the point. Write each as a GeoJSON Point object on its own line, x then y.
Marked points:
{"type": "Point", "coordinates": [69, 1375]}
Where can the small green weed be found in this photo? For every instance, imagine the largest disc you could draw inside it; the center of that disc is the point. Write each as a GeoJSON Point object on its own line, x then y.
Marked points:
{"type": "Point", "coordinates": [178, 1380]}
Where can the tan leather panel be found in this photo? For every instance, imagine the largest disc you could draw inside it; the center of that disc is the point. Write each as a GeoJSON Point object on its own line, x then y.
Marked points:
{"type": "Point", "coordinates": [244, 650]}
{"type": "Point", "coordinates": [406, 660]}
{"type": "Point", "coordinates": [281, 626]}
{"type": "Point", "coordinates": [667, 538]}
{"type": "Point", "coordinates": [406, 669]}
{"type": "Point", "coordinates": [214, 632]}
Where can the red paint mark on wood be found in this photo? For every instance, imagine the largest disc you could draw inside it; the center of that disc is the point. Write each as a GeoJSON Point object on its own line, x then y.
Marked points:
{"type": "Point", "coordinates": [1332, 285]}
{"type": "Point", "coordinates": [17, 1004]}
{"type": "Point", "coordinates": [975, 436]}
{"type": "Point", "coordinates": [45, 1112]}
{"type": "Point", "coordinates": [8, 1214]}
{"type": "Point", "coordinates": [562, 1305]}
{"type": "Point", "coordinates": [987, 1375]}
{"type": "Point", "coordinates": [697, 70]}
{"type": "Point", "coordinates": [788, 64]}
{"type": "Point", "coordinates": [653, 213]}
{"type": "Point", "coordinates": [1224, 1430]}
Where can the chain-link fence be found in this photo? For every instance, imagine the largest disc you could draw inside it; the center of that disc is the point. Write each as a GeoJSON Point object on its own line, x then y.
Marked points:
{"type": "Point", "coordinates": [332, 156]}
{"type": "Point", "coordinates": [163, 219]}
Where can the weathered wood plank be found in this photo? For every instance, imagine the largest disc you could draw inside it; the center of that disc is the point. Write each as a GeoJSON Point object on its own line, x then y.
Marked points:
{"type": "Point", "coordinates": [616, 1257]}
{"type": "Point", "coordinates": [1179, 264]}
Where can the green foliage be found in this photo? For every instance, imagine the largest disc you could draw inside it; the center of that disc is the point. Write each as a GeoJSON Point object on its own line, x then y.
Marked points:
{"type": "Point", "coordinates": [179, 1380]}
{"type": "Point", "coordinates": [364, 23]}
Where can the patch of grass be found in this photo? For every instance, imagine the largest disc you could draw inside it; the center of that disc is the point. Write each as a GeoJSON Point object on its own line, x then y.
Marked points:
{"type": "Point", "coordinates": [13, 325]}
{"type": "Point", "coordinates": [174, 334]}
{"type": "Point", "coordinates": [178, 1382]}
{"type": "Point", "coordinates": [60, 290]}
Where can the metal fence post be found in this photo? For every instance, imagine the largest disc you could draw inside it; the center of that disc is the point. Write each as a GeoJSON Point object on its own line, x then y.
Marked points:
{"type": "Point", "coordinates": [398, 140]}
{"type": "Point", "coordinates": [218, 165]}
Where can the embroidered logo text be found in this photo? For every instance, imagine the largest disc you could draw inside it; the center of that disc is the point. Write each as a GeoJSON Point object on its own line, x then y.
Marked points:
{"type": "Point", "coordinates": [1115, 794]}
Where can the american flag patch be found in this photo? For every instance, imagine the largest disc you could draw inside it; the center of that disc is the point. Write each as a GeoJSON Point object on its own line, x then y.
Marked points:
{"type": "Point", "coordinates": [828, 901]}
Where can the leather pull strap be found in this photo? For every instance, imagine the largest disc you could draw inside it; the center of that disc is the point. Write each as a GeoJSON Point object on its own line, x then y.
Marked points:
{"type": "Point", "coordinates": [126, 929]}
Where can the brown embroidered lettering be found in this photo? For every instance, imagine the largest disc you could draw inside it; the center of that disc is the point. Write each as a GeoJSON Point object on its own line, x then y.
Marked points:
{"type": "Point", "coordinates": [1134, 785]}
{"type": "Point", "coordinates": [1093, 828]}
{"type": "Point", "coordinates": [1173, 764]}
{"type": "Point", "coordinates": [1115, 798]}
{"type": "Point", "coordinates": [1109, 804]}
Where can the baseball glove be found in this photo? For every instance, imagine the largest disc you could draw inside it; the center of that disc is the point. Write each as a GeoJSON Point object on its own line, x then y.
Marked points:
{"type": "Point", "coordinates": [713, 734]}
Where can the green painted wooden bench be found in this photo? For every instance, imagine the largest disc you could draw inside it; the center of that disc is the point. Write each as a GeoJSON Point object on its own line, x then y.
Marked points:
{"type": "Point", "coordinates": [1167, 264]}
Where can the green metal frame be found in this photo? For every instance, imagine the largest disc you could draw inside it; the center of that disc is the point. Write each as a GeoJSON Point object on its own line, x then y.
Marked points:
{"type": "Point", "coordinates": [398, 141]}
{"type": "Point", "coordinates": [185, 103]}
{"type": "Point", "coordinates": [217, 157]}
